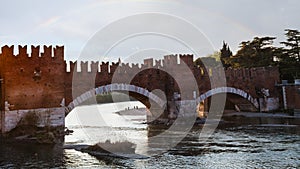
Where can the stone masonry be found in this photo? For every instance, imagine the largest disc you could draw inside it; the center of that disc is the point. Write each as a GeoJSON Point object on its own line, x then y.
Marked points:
{"type": "Point", "coordinates": [40, 80]}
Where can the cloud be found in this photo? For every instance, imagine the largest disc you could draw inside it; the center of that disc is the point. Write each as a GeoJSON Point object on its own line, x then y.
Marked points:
{"type": "Point", "coordinates": [73, 23]}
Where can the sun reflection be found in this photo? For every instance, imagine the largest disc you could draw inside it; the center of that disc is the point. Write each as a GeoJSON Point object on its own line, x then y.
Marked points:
{"type": "Point", "coordinates": [115, 122]}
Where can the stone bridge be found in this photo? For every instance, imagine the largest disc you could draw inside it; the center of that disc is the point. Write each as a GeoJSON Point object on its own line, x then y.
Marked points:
{"type": "Point", "coordinates": [49, 86]}
{"type": "Point", "coordinates": [232, 90]}
{"type": "Point", "coordinates": [115, 87]}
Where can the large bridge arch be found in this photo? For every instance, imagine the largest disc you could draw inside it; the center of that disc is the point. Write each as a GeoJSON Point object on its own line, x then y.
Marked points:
{"type": "Point", "coordinates": [231, 90]}
{"type": "Point", "coordinates": [115, 87]}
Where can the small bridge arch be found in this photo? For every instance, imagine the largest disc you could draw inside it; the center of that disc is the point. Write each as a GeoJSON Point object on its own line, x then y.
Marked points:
{"type": "Point", "coordinates": [232, 90]}
{"type": "Point", "coordinates": [115, 87]}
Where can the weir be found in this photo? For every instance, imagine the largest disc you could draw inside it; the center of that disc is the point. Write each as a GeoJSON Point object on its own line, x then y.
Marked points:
{"type": "Point", "coordinates": [39, 83]}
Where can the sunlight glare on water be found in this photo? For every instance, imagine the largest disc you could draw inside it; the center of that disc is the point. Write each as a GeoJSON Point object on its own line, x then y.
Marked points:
{"type": "Point", "coordinates": [101, 115]}
{"type": "Point", "coordinates": [99, 123]}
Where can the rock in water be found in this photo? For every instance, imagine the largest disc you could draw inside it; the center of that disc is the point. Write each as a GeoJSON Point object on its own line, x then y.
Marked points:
{"type": "Point", "coordinates": [118, 149]}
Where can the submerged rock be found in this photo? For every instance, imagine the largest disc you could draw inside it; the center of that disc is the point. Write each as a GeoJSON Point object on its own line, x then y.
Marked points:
{"type": "Point", "coordinates": [34, 134]}
{"type": "Point", "coordinates": [118, 149]}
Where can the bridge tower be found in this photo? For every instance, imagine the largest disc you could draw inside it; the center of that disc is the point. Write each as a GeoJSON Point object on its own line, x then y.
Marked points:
{"type": "Point", "coordinates": [31, 84]}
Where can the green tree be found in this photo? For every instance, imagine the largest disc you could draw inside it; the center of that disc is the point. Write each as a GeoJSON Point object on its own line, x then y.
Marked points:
{"type": "Point", "coordinates": [256, 53]}
{"type": "Point", "coordinates": [225, 53]}
{"type": "Point", "coordinates": [292, 43]}
{"type": "Point", "coordinates": [289, 57]}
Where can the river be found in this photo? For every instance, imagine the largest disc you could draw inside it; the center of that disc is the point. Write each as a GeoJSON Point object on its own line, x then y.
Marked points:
{"type": "Point", "coordinates": [235, 147]}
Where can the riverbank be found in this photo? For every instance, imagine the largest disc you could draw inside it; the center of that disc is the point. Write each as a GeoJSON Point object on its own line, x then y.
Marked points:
{"type": "Point", "coordinates": [139, 115]}
{"type": "Point", "coordinates": [35, 135]}
{"type": "Point", "coordinates": [258, 118]}
{"type": "Point", "coordinates": [233, 119]}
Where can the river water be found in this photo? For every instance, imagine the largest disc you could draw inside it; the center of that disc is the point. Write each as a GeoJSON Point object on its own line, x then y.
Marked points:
{"type": "Point", "coordinates": [235, 147]}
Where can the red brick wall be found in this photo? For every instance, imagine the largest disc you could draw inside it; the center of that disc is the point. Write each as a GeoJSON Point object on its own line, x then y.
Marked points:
{"type": "Point", "coordinates": [22, 89]}
{"type": "Point", "coordinates": [248, 79]}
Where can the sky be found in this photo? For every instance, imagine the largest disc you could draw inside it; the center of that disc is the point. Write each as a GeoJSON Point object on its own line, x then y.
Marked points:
{"type": "Point", "coordinates": [75, 23]}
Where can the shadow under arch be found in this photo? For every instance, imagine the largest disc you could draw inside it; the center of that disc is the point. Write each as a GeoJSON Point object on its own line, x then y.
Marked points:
{"type": "Point", "coordinates": [231, 90]}
{"type": "Point", "coordinates": [149, 99]}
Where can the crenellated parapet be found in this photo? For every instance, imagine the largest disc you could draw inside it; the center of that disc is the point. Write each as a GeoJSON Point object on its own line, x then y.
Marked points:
{"type": "Point", "coordinates": [8, 50]}
{"type": "Point", "coordinates": [169, 61]}
{"type": "Point", "coordinates": [84, 66]}
{"type": "Point", "coordinates": [114, 66]}
{"type": "Point", "coordinates": [104, 67]}
{"type": "Point", "coordinates": [187, 58]}
{"type": "Point", "coordinates": [95, 66]}
{"type": "Point", "coordinates": [33, 79]}
{"type": "Point", "coordinates": [48, 52]}
{"type": "Point", "coordinates": [50, 56]}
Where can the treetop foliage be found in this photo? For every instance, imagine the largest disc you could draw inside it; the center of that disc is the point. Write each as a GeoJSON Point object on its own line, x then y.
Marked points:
{"type": "Point", "coordinates": [260, 52]}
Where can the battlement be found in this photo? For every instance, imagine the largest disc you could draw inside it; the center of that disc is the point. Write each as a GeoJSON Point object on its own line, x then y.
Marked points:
{"type": "Point", "coordinates": [169, 61]}
{"type": "Point", "coordinates": [30, 73]}
{"type": "Point", "coordinates": [48, 52]}
{"type": "Point", "coordinates": [48, 55]}
{"type": "Point", "coordinates": [187, 58]}
{"type": "Point", "coordinates": [111, 67]}
{"type": "Point", "coordinates": [45, 53]}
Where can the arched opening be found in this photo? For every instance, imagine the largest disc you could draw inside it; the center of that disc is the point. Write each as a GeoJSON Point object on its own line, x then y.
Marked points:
{"type": "Point", "coordinates": [122, 120]}
{"type": "Point", "coordinates": [236, 100]}
{"type": "Point", "coordinates": [153, 102]}
{"type": "Point", "coordinates": [238, 103]}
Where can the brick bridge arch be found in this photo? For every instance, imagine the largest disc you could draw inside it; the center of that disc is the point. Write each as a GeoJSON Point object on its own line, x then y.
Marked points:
{"type": "Point", "coordinates": [232, 90]}
{"type": "Point", "coordinates": [115, 87]}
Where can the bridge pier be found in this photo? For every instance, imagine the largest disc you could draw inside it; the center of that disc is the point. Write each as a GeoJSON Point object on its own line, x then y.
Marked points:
{"type": "Point", "coordinates": [43, 117]}
{"type": "Point", "coordinates": [37, 122]}
{"type": "Point", "coordinates": [186, 109]}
